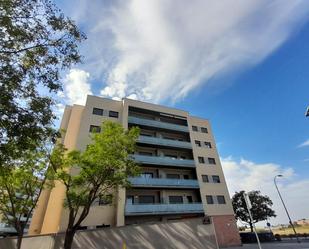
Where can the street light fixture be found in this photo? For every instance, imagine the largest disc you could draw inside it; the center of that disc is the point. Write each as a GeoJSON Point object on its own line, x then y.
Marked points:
{"type": "Point", "coordinates": [286, 210]}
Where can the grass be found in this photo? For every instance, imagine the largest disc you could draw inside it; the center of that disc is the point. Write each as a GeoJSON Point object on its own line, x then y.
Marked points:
{"type": "Point", "coordinates": [286, 231]}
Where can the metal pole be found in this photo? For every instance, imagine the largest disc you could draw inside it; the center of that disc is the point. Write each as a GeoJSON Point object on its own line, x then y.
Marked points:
{"type": "Point", "coordinates": [286, 210]}
{"type": "Point", "coordinates": [248, 204]}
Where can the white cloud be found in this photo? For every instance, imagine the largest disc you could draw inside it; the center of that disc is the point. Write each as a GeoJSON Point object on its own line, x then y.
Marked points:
{"type": "Point", "coordinates": [306, 143]}
{"type": "Point", "coordinates": [161, 50]}
{"type": "Point", "coordinates": [76, 86]}
{"type": "Point", "coordinates": [247, 175]}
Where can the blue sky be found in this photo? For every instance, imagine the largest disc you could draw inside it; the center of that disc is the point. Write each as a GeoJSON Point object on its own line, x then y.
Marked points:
{"type": "Point", "coordinates": [242, 64]}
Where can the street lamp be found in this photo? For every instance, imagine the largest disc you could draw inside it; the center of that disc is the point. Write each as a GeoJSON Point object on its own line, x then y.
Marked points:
{"type": "Point", "coordinates": [291, 223]}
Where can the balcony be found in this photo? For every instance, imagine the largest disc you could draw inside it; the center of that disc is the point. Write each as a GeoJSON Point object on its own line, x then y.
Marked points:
{"type": "Point", "coordinates": [148, 209]}
{"type": "Point", "coordinates": [157, 124]}
{"type": "Point", "coordinates": [167, 161]}
{"type": "Point", "coordinates": [163, 182]}
{"type": "Point", "coordinates": [164, 142]}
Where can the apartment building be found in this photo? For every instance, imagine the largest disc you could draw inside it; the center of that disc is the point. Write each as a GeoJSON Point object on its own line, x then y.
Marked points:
{"type": "Point", "coordinates": [181, 172]}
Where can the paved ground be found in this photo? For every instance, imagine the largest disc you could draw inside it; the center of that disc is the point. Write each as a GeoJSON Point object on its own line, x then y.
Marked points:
{"type": "Point", "coordinates": [276, 245]}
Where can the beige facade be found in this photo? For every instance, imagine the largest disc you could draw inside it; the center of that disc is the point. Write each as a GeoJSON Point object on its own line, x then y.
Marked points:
{"type": "Point", "coordinates": [181, 172]}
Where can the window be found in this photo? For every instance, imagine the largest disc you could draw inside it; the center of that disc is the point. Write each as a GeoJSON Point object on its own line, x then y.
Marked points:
{"type": "Point", "coordinates": [130, 199]}
{"type": "Point", "coordinates": [221, 199]}
{"type": "Point", "coordinates": [146, 199]}
{"type": "Point", "coordinates": [189, 199]}
{"type": "Point", "coordinates": [186, 177]}
{"type": "Point", "coordinates": [171, 156]}
{"type": "Point", "coordinates": [209, 199]}
{"type": "Point", "coordinates": [97, 111]}
{"type": "Point", "coordinates": [113, 114]}
{"type": "Point", "coordinates": [173, 176]}
{"type": "Point", "coordinates": [198, 143]}
{"type": "Point", "coordinates": [105, 200]}
{"type": "Point", "coordinates": [201, 159]}
{"type": "Point", "coordinates": [208, 145]}
{"type": "Point", "coordinates": [147, 175]}
{"type": "Point", "coordinates": [216, 179]}
{"type": "Point", "coordinates": [175, 199]}
{"type": "Point", "coordinates": [95, 129]}
{"type": "Point", "coordinates": [211, 160]}
{"type": "Point", "coordinates": [205, 178]}
{"type": "Point", "coordinates": [194, 128]}
{"type": "Point", "coordinates": [145, 153]}
{"type": "Point", "coordinates": [204, 130]}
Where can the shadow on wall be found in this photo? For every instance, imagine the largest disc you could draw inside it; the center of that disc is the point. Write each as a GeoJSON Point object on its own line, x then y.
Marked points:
{"type": "Point", "coordinates": [191, 233]}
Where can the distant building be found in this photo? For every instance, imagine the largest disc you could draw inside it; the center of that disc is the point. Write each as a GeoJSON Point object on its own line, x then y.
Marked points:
{"type": "Point", "coordinates": [181, 175]}
{"type": "Point", "coordinates": [303, 222]}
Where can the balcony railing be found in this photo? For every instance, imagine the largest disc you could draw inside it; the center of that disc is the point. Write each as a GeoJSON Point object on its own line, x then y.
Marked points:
{"type": "Point", "coordinates": [146, 209]}
{"type": "Point", "coordinates": [167, 161]}
{"type": "Point", "coordinates": [164, 142]}
{"type": "Point", "coordinates": [163, 182]}
{"type": "Point", "coordinates": [157, 124]}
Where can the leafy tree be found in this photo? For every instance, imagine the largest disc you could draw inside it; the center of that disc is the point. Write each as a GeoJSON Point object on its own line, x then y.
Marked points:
{"type": "Point", "coordinates": [36, 42]}
{"type": "Point", "coordinates": [20, 186]}
{"type": "Point", "coordinates": [95, 173]}
{"type": "Point", "coordinates": [261, 207]}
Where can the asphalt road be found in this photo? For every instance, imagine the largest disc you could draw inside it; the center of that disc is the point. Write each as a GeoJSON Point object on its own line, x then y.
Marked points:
{"type": "Point", "coordinates": [276, 245]}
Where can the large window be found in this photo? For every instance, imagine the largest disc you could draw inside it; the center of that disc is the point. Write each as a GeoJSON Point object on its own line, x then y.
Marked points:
{"type": "Point", "coordinates": [204, 130]}
{"type": "Point", "coordinates": [201, 159]}
{"type": "Point", "coordinates": [147, 175]}
{"type": "Point", "coordinates": [221, 199]}
{"type": "Point", "coordinates": [205, 178]}
{"type": "Point", "coordinates": [95, 129]}
{"type": "Point", "coordinates": [113, 114]}
{"type": "Point", "coordinates": [209, 199]}
{"type": "Point", "coordinates": [173, 176]}
{"type": "Point", "coordinates": [216, 179]}
{"type": "Point", "coordinates": [198, 143]}
{"type": "Point", "coordinates": [97, 111]}
{"type": "Point", "coordinates": [194, 128]}
{"type": "Point", "coordinates": [208, 145]}
{"type": "Point", "coordinates": [211, 160]}
{"type": "Point", "coordinates": [146, 199]}
{"type": "Point", "coordinates": [175, 199]}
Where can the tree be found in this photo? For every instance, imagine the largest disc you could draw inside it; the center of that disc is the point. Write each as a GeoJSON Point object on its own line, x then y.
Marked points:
{"type": "Point", "coordinates": [261, 207]}
{"type": "Point", "coordinates": [36, 42]}
{"type": "Point", "coordinates": [95, 173]}
{"type": "Point", "coordinates": [20, 187]}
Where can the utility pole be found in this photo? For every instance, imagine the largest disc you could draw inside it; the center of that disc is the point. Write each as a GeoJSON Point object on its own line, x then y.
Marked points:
{"type": "Point", "coordinates": [286, 210]}
{"type": "Point", "coordinates": [249, 206]}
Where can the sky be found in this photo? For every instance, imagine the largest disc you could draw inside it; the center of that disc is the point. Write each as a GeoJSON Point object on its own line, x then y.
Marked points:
{"type": "Point", "coordinates": [242, 64]}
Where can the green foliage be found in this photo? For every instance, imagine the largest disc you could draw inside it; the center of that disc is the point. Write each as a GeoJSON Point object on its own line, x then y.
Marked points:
{"type": "Point", "coordinates": [21, 183]}
{"type": "Point", "coordinates": [36, 42]}
{"type": "Point", "coordinates": [261, 207]}
{"type": "Point", "coordinates": [95, 173]}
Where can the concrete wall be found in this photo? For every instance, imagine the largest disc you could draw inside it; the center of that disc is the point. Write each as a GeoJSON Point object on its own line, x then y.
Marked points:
{"type": "Point", "coordinates": [191, 234]}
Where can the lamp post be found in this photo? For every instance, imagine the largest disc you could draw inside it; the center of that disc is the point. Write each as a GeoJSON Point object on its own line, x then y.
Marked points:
{"type": "Point", "coordinates": [286, 210]}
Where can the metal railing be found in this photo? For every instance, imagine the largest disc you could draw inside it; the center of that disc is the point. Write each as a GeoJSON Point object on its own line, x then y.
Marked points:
{"type": "Point", "coordinates": [139, 209]}
{"type": "Point", "coordinates": [157, 124]}
{"type": "Point", "coordinates": [164, 142]}
{"type": "Point", "coordinates": [163, 182]}
{"type": "Point", "coordinates": [168, 161]}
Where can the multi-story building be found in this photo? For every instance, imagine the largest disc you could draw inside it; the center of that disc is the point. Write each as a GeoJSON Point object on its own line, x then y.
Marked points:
{"type": "Point", "coordinates": [181, 171]}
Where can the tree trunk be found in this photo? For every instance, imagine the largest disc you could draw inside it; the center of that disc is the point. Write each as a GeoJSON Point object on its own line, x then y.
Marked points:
{"type": "Point", "coordinates": [19, 240]}
{"type": "Point", "coordinates": [69, 237]}
{"type": "Point", "coordinates": [251, 227]}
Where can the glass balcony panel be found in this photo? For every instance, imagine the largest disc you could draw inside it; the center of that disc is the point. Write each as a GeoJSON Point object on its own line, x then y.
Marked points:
{"type": "Point", "coordinates": [157, 124]}
{"type": "Point", "coordinates": [164, 142]}
{"type": "Point", "coordinates": [140, 209]}
{"type": "Point", "coordinates": [164, 182]}
{"type": "Point", "coordinates": [168, 161]}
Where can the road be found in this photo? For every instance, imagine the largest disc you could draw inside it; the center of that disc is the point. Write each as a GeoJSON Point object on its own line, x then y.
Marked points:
{"type": "Point", "coordinates": [276, 245]}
